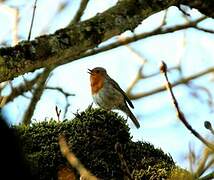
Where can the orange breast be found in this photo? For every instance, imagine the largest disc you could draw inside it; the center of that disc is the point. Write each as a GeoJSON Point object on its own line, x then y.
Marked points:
{"type": "Point", "coordinates": [97, 82]}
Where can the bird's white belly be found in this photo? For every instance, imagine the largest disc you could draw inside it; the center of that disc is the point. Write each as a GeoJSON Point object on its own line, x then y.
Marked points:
{"type": "Point", "coordinates": [108, 98]}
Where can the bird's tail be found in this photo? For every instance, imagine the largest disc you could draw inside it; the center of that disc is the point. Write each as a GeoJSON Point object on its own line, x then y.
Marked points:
{"type": "Point", "coordinates": [131, 115]}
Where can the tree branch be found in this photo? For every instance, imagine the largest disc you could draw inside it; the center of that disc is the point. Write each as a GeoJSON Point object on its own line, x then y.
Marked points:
{"type": "Point", "coordinates": [134, 38]}
{"type": "Point", "coordinates": [179, 82]}
{"type": "Point", "coordinates": [20, 90]}
{"type": "Point", "coordinates": [205, 30]}
{"type": "Point", "coordinates": [180, 114]}
{"type": "Point", "coordinates": [75, 39]}
{"type": "Point", "coordinates": [41, 84]}
{"type": "Point", "coordinates": [74, 161]}
{"type": "Point", "coordinates": [80, 12]}
{"type": "Point", "coordinates": [205, 7]}
{"type": "Point", "coordinates": [71, 43]}
{"type": "Point", "coordinates": [36, 96]}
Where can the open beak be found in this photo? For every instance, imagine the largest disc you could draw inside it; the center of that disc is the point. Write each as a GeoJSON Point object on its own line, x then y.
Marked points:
{"type": "Point", "coordinates": [90, 71]}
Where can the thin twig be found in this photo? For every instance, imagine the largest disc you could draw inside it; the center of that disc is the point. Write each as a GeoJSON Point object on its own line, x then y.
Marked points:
{"type": "Point", "coordinates": [132, 39]}
{"type": "Point", "coordinates": [66, 94]}
{"type": "Point", "coordinates": [159, 30]}
{"type": "Point", "coordinates": [180, 114]}
{"type": "Point", "coordinates": [58, 112]}
{"type": "Point", "coordinates": [20, 90]}
{"type": "Point", "coordinates": [32, 20]}
{"type": "Point", "coordinates": [137, 78]}
{"type": "Point", "coordinates": [140, 76]}
{"type": "Point", "coordinates": [183, 11]}
{"type": "Point", "coordinates": [197, 88]}
{"type": "Point", "coordinates": [205, 30]}
{"type": "Point", "coordinates": [60, 90]}
{"type": "Point", "coordinates": [80, 12]}
{"type": "Point", "coordinates": [41, 86]}
{"type": "Point", "coordinates": [66, 107]}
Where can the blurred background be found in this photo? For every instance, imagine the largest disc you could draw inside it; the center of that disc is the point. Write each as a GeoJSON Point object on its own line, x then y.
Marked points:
{"type": "Point", "coordinates": [187, 51]}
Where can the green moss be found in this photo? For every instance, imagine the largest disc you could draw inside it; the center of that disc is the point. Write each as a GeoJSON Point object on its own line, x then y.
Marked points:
{"type": "Point", "coordinates": [92, 136]}
{"type": "Point", "coordinates": [177, 173]}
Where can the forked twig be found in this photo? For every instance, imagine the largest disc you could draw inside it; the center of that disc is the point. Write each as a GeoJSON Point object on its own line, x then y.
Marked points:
{"type": "Point", "coordinates": [180, 115]}
{"type": "Point", "coordinates": [58, 112]}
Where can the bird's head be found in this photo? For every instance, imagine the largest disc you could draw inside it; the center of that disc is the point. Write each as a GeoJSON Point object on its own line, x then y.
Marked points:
{"type": "Point", "coordinates": [97, 71]}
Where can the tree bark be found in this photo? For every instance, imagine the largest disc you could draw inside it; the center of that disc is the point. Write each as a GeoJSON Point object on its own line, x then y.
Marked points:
{"type": "Point", "coordinates": [206, 7]}
{"type": "Point", "coordinates": [69, 43]}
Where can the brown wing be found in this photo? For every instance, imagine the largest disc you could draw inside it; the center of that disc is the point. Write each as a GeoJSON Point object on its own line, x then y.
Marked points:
{"type": "Point", "coordinates": [124, 94]}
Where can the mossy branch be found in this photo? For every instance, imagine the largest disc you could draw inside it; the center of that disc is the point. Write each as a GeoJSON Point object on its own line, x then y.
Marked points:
{"type": "Point", "coordinates": [91, 136]}
{"type": "Point", "coordinates": [70, 43]}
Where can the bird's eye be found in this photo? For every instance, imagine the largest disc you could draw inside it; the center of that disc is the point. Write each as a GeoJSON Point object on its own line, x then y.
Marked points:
{"type": "Point", "coordinates": [97, 71]}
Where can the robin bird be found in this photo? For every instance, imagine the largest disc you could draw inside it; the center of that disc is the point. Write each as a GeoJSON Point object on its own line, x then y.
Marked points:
{"type": "Point", "coordinates": [107, 93]}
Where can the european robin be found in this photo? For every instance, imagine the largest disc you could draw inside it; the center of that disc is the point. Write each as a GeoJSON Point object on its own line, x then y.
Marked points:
{"type": "Point", "coordinates": [107, 93]}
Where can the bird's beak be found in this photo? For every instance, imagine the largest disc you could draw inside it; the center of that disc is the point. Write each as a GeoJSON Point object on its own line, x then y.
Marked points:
{"type": "Point", "coordinates": [90, 71]}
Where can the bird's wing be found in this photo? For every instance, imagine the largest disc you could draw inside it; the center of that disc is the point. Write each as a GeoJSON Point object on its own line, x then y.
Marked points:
{"type": "Point", "coordinates": [124, 94]}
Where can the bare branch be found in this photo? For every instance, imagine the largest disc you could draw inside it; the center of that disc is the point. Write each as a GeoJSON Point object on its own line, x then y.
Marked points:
{"type": "Point", "coordinates": [137, 78]}
{"type": "Point", "coordinates": [183, 11]}
{"type": "Point", "coordinates": [60, 90]}
{"type": "Point", "coordinates": [41, 85]}
{"type": "Point", "coordinates": [36, 96]}
{"type": "Point", "coordinates": [205, 30]}
{"type": "Point", "coordinates": [180, 114]}
{"type": "Point", "coordinates": [178, 82]}
{"type": "Point", "coordinates": [80, 12]}
{"type": "Point", "coordinates": [159, 30]}
{"type": "Point", "coordinates": [72, 159]}
{"type": "Point", "coordinates": [66, 94]}
{"type": "Point", "coordinates": [20, 90]}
